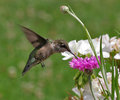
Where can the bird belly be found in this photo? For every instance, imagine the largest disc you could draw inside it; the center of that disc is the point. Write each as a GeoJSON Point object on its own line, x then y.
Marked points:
{"type": "Point", "coordinates": [43, 53]}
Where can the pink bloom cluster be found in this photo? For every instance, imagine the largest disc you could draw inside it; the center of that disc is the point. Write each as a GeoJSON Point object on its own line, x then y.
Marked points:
{"type": "Point", "coordinates": [84, 63]}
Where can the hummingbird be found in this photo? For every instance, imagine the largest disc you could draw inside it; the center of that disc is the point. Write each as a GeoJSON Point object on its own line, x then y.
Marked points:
{"type": "Point", "coordinates": [43, 48]}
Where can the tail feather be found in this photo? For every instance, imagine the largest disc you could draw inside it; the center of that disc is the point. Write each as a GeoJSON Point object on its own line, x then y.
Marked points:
{"type": "Point", "coordinates": [31, 61]}
{"type": "Point", "coordinates": [29, 65]}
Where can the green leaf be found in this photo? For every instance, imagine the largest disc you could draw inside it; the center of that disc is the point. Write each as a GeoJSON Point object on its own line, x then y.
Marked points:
{"type": "Point", "coordinates": [76, 77]}
{"type": "Point", "coordinates": [113, 79]}
{"type": "Point", "coordinates": [91, 88]}
{"type": "Point", "coordinates": [102, 59]}
{"type": "Point", "coordinates": [66, 98]}
{"type": "Point", "coordinates": [101, 54]}
{"type": "Point", "coordinates": [102, 68]}
{"type": "Point", "coordinates": [102, 87]}
{"type": "Point", "coordinates": [116, 81]}
{"type": "Point", "coordinates": [80, 81]}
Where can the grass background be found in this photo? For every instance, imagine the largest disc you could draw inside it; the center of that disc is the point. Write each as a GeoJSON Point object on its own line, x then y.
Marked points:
{"type": "Point", "coordinates": [53, 82]}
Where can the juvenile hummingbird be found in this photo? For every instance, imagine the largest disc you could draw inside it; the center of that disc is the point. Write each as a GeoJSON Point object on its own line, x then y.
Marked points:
{"type": "Point", "coordinates": [43, 48]}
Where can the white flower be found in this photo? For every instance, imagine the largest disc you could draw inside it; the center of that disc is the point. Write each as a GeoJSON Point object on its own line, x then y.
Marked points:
{"type": "Point", "coordinates": [117, 56]}
{"type": "Point", "coordinates": [105, 54]}
{"type": "Point", "coordinates": [109, 43]}
{"type": "Point", "coordinates": [106, 42]}
{"type": "Point", "coordinates": [87, 92]}
{"type": "Point", "coordinates": [73, 45]}
{"type": "Point", "coordinates": [76, 91]}
{"type": "Point", "coordinates": [97, 89]}
{"type": "Point", "coordinates": [84, 47]}
{"type": "Point", "coordinates": [116, 45]}
{"type": "Point", "coordinates": [109, 78]}
{"type": "Point", "coordinates": [113, 40]}
{"type": "Point", "coordinates": [96, 43]}
{"type": "Point", "coordinates": [87, 95]}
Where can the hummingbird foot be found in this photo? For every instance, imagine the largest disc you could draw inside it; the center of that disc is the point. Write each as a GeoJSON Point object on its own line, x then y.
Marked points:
{"type": "Point", "coordinates": [42, 64]}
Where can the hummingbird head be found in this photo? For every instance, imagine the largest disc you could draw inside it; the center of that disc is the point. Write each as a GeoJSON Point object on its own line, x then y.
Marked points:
{"type": "Point", "coordinates": [62, 46]}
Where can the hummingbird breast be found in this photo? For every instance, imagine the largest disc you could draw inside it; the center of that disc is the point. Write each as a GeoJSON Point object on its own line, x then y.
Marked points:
{"type": "Point", "coordinates": [44, 52]}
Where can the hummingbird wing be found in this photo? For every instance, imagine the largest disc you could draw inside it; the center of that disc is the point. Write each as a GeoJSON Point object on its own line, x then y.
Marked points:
{"type": "Point", "coordinates": [35, 39]}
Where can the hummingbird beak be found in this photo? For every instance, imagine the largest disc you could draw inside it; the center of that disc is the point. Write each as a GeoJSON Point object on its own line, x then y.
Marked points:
{"type": "Point", "coordinates": [73, 54]}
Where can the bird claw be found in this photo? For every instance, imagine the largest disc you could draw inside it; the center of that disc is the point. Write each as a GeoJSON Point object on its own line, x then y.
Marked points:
{"type": "Point", "coordinates": [42, 64]}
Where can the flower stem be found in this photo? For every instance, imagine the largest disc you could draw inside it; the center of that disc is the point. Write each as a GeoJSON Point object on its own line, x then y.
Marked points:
{"type": "Point", "coordinates": [116, 82]}
{"type": "Point", "coordinates": [90, 83]}
{"type": "Point", "coordinates": [87, 32]}
{"type": "Point", "coordinates": [92, 46]}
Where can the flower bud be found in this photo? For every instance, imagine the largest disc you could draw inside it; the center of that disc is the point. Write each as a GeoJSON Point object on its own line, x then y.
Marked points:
{"type": "Point", "coordinates": [64, 9]}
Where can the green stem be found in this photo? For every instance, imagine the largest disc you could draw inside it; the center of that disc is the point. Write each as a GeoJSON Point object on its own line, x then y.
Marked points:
{"type": "Point", "coordinates": [81, 93]}
{"type": "Point", "coordinates": [90, 83]}
{"type": "Point", "coordinates": [104, 78]}
{"type": "Point", "coordinates": [113, 80]}
{"type": "Point", "coordinates": [116, 82]}
{"type": "Point", "coordinates": [92, 46]}
{"type": "Point", "coordinates": [87, 32]}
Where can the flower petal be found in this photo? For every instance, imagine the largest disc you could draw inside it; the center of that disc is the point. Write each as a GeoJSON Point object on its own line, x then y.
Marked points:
{"type": "Point", "coordinates": [117, 56]}
{"type": "Point", "coordinates": [76, 91]}
{"type": "Point", "coordinates": [106, 55]}
{"type": "Point", "coordinates": [73, 46]}
{"type": "Point", "coordinates": [67, 55]}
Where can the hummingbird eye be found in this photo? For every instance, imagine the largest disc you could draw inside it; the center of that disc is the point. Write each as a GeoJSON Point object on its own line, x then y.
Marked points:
{"type": "Point", "coordinates": [62, 45]}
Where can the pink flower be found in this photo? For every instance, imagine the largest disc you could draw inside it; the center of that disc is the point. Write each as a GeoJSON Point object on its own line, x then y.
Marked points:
{"type": "Point", "coordinates": [84, 63]}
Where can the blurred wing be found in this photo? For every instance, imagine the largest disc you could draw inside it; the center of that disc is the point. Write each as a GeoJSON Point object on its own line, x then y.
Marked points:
{"type": "Point", "coordinates": [35, 39]}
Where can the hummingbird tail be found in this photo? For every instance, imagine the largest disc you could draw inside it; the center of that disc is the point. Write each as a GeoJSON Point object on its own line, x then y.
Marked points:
{"type": "Point", "coordinates": [31, 62]}
{"type": "Point", "coordinates": [27, 67]}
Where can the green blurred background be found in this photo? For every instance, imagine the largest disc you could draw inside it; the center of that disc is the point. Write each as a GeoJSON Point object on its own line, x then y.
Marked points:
{"type": "Point", "coordinates": [54, 82]}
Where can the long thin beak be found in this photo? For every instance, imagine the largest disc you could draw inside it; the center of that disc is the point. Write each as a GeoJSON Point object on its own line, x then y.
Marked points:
{"type": "Point", "coordinates": [73, 54]}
